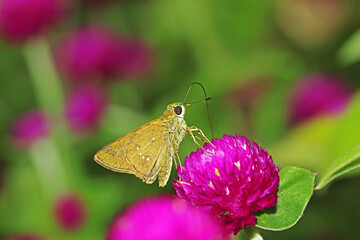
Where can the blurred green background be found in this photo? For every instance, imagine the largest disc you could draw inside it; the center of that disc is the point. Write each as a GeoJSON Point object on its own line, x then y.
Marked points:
{"type": "Point", "coordinates": [248, 55]}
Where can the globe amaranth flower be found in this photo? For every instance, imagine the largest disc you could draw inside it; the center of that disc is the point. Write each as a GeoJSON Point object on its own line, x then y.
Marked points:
{"type": "Point", "coordinates": [22, 19]}
{"type": "Point", "coordinates": [133, 58]}
{"type": "Point", "coordinates": [318, 94]}
{"type": "Point", "coordinates": [85, 108]}
{"type": "Point", "coordinates": [232, 180]}
{"type": "Point", "coordinates": [70, 212]}
{"type": "Point", "coordinates": [164, 218]}
{"type": "Point", "coordinates": [97, 53]}
{"type": "Point", "coordinates": [29, 127]}
{"type": "Point", "coordinates": [86, 53]}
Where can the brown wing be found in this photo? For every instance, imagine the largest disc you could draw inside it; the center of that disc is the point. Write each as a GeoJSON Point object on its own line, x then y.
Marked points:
{"type": "Point", "coordinates": [148, 150]}
{"type": "Point", "coordinates": [123, 155]}
{"type": "Point", "coordinates": [112, 156]}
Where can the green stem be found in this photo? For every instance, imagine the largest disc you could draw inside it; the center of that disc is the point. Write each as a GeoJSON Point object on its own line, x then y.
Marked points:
{"type": "Point", "coordinates": [46, 154]}
{"type": "Point", "coordinates": [43, 75]}
{"type": "Point", "coordinates": [46, 160]}
{"type": "Point", "coordinates": [253, 233]}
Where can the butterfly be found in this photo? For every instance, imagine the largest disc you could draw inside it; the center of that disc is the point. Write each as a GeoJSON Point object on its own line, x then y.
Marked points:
{"type": "Point", "coordinates": [148, 151]}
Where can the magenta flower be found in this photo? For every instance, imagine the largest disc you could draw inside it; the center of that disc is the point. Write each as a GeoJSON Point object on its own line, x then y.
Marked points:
{"type": "Point", "coordinates": [85, 108]}
{"type": "Point", "coordinates": [318, 94]}
{"type": "Point", "coordinates": [87, 54]}
{"type": "Point", "coordinates": [96, 53]}
{"type": "Point", "coordinates": [22, 19]}
{"type": "Point", "coordinates": [70, 212]}
{"type": "Point", "coordinates": [28, 128]}
{"type": "Point", "coordinates": [134, 59]}
{"type": "Point", "coordinates": [163, 218]}
{"type": "Point", "coordinates": [232, 180]}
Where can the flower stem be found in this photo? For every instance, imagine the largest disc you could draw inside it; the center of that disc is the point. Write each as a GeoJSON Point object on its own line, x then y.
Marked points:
{"type": "Point", "coordinates": [45, 158]}
{"type": "Point", "coordinates": [253, 233]}
{"type": "Point", "coordinates": [46, 155]}
{"type": "Point", "coordinates": [46, 83]}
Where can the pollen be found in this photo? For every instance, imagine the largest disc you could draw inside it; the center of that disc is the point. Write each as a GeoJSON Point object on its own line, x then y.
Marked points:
{"type": "Point", "coordinates": [181, 182]}
{"type": "Point", "coordinates": [217, 172]}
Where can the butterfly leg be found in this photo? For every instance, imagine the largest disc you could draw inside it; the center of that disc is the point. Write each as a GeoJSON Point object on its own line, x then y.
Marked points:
{"type": "Point", "coordinates": [178, 158]}
{"type": "Point", "coordinates": [195, 141]}
{"type": "Point", "coordinates": [195, 129]}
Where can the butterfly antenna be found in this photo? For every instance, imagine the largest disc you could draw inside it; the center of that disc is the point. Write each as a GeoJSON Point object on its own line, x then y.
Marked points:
{"type": "Point", "coordinates": [204, 100]}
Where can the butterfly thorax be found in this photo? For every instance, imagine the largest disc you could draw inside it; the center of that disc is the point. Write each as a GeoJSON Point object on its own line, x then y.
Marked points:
{"type": "Point", "coordinates": [175, 123]}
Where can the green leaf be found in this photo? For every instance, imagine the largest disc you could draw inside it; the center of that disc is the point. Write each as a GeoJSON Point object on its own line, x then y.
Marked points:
{"type": "Point", "coordinates": [295, 189]}
{"type": "Point", "coordinates": [343, 138]}
{"type": "Point", "coordinates": [350, 51]}
{"type": "Point", "coordinates": [344, 164]}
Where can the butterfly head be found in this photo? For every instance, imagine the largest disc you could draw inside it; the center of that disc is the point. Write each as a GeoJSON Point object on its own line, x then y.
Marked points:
{"type": "Point", "coordinates": [175, 109]}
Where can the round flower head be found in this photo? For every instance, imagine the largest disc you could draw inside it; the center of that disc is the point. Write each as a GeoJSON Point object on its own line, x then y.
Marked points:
{"type": "Point", "coordinates": [95, 53]}
{"type": "Point", "coordinates": [163, 218]}
{"type": "Point", "coordinates": [134, 58]}
{"type": "Point", "coordinates": [318, 94]}
{"type": "Point", "coordinates": [86, 54]}
{"type": "Point", "coordinates": [85, 108]}
{"type": "Point", "coordinates": [232, 180]}
{"type": "Point", "coordinates": [28, 128]}
{"type": "Point", "coordinates": [22, 19]}
{"type": "Point", "coordinates": [70, 212]}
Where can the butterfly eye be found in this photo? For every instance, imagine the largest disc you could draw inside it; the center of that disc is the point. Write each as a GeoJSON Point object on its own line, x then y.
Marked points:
{"type": "Point", "coordinates": [178, 110]}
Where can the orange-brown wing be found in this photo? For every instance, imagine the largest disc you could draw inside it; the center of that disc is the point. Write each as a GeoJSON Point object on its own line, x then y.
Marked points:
{"type": "Point", "coordinates": [112, 156]}
{"type": "Point", "coordinates": [123, 156]}
{"type": "Point", "coordinates": [148, 150]}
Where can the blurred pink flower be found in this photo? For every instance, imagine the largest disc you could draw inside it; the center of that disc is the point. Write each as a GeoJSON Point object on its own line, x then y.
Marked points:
{"type": "Point", "coordinates": [318, 94]}
{"type": "Point", "coordinates": [22, 19]}
{"type": "Point", "coordinates": [86, 54]}
{"type": "Point", "coordinates": [94, 53]}
{"type": "Point", "coordinates": [28, 128]}
{"type": "Point", "coordinates": [85, 107]}
{"type": "Point", "coordinates": [232, 180]}
{"type": "Point", "coordinates": [134, 58]}
{"type": "Point", "coordinates": [248, 93]}
{"type": "Point", "coordinates": [70, 212]}
{"type": "Point", "coordinates": [163, 218]}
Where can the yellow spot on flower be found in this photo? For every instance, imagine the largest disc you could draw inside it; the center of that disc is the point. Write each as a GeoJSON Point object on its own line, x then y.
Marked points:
{"type": "Point", "coordinates": [181, 182]}
{"type": "Point", "coordinates": [217, 172]}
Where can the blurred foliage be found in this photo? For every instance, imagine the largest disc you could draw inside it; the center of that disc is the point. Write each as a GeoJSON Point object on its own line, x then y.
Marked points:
{"type": "Point", "coordinates": [221, 44]}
